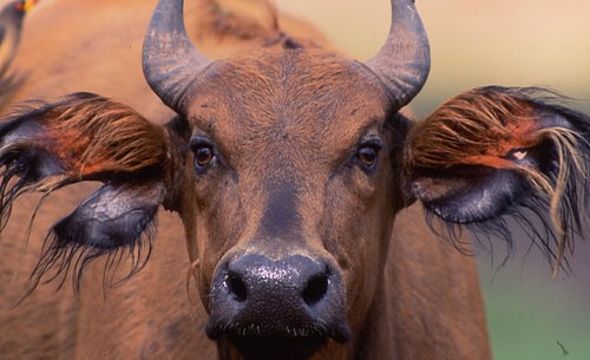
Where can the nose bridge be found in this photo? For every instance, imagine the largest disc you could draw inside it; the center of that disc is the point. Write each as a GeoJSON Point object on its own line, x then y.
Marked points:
{"type": "Point", "coordinates": [287, 222]}
{"type": "Point", "coordinates": [281, 218]}
{"type": "Point", "coordinates": [281, 200]}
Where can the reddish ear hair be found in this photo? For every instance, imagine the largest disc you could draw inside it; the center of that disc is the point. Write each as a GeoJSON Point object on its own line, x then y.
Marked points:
{"type": "Point", "coordinates": [90, 135]}
{"type": "Point", "coordinates": [87, 137]}
{"type": "Point", "coordinates": [495, 152]}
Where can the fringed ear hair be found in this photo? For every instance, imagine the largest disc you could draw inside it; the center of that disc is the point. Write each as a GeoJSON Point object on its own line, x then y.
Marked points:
{"type": "Point", "coordinates": [88, 137]}
{"type": "Point", "coordinates": [496, 153]}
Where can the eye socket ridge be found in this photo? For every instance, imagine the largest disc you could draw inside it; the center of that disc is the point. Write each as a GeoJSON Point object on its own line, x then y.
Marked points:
{"type": "Point", "coordinates": [204, 154]}
{"type": "Point", "coordinates": [367, 154]}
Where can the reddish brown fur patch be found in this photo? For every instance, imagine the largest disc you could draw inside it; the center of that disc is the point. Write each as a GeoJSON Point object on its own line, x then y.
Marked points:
{"type": "Point", "coordinates": [473, 128]}
{"type": "Point", "coordinates": [95, 135]}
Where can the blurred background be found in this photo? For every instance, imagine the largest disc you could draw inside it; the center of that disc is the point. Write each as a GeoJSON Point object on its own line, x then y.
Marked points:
{"type": "Point", "coordinates": [505, 42]}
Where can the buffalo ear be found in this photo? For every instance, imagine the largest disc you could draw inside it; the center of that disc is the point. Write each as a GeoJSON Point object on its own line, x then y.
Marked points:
{"type": "Point", "coordinates": [84, 136]}
{"type": "Point", "coordinates": [496, 153]}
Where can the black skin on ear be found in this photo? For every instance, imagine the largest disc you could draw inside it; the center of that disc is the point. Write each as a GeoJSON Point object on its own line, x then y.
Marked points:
{"type": "Point", "coordinates": [497, 153]}
{"type": "Point", "coordinates": [117, 220]}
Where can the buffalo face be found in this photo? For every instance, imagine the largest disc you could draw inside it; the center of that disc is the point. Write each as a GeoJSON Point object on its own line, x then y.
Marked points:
{"type": "Point", "coordinates": [293, 159]}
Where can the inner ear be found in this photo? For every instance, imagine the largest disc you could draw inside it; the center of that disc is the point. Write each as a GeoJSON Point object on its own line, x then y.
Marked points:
{"type": "Point", "coordinates": [460, 194]}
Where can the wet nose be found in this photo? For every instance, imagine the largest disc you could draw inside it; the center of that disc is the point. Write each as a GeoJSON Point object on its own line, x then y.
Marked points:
{"type": "Point", "coordinates": [286, 297]}
{"type": "Point", "coordinates": [298, 281]}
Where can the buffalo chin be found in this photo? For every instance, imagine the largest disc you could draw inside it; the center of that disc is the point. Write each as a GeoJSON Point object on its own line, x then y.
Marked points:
{"type": "Point", "coordinates": [283, 348]}
{"type": "Point", "coordinates": [263, 342]}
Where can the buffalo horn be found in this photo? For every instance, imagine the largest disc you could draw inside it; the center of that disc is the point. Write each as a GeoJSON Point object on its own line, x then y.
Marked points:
{"type": "Point", "coordinates": [403, 62]}
{"type": "Point", "coordinates": [171, 63]}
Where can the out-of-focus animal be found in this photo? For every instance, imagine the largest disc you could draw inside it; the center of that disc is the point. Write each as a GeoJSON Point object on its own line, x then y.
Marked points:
{"type": "Point", "coordinates": [11, 20]}
{"type": "Point", "coordinates": [12, 16]}
{"type": "Point", "coordinates": [290, 176]}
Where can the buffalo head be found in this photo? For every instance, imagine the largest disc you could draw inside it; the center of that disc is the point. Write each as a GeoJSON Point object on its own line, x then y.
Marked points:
{"type": "Point", "coordinates": [295, 186]}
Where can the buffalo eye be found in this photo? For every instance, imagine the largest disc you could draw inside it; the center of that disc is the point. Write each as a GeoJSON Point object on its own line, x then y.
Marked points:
{"type": "Point", "coordinates": [368, 154]}
{"type": "Point", "coordinates": [203, 155]}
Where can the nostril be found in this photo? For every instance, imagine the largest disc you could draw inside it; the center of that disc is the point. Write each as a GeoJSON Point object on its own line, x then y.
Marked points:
{"type": "Point", "coordinates": [236, 287]}
{"type": "Point", "coordinates": [316, 289]}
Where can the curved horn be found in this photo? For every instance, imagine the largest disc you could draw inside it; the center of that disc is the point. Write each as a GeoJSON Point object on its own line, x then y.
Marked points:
{"type": "Point", "coordinates": [403, 63]}
{"type": "Point", "coordinates": [171, 63]}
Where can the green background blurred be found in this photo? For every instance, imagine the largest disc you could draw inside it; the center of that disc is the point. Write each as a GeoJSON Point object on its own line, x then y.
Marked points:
{"type": "Point", "coordinates": [504, 42]}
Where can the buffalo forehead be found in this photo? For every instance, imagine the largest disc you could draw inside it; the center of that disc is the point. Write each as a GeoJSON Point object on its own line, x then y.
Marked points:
{"type": "Point", "coordinates": [294, 100]}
